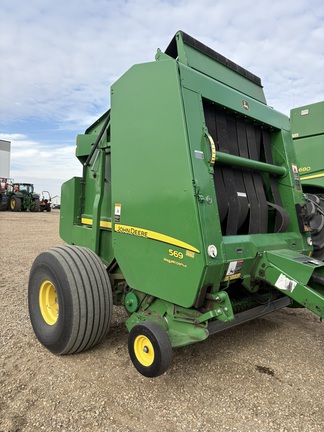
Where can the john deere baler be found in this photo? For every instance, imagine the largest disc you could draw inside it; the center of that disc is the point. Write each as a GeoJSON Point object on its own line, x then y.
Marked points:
{"type": "Point", "coordinates": [189, 214]}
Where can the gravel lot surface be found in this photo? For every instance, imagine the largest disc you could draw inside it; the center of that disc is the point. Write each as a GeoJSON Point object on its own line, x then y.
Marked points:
{"type": "Point", "coordinates": [265, 375]}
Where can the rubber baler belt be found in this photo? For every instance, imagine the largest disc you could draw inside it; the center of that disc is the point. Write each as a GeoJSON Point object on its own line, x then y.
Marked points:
{"type": "Point", "coordinates": [238, 172]}
{"type": "Point", "coordinates": [241, 196]}
{"type": "Point", "coordinates": [253, 136]}
{"type": "Point", "coordinates": [282, 219]}
{"type": "Point", "coordinates": [233, 183]}
{"type": "Point", "coordinates": [255, 220]}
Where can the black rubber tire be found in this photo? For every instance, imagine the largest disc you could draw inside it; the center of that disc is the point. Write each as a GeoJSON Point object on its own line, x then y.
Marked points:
{"type": "Point", "coordinates": [3, 202]}
{"type": "Point", "coordinates": [84, 298]}
{"type": "Point", "coordinates": [35, 205]}
{"type": "Point", "coordinates": [15, 203]}
{"type": "Point", "coordinates": [161, 347]}
{"type": "Point", "coordinates": [48, 207]}
{"type": "Point", "coordinates": [319, 254]}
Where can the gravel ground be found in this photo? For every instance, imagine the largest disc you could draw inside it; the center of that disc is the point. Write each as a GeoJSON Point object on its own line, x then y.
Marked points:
{"type": "Point", "coordinates": [265, 375]}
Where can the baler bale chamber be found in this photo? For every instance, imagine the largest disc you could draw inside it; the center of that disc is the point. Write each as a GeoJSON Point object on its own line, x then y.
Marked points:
{"type": "Point", "coordinates": [189, 214]}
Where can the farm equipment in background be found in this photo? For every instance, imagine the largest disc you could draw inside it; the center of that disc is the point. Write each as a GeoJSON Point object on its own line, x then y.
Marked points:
{"type": "Point", "coordinates": [5, 184]}
{"type": "Point", "coordinates": [307, 127]}
{"type": "Point", "coordinates": [21, 197]}
{"type": "Point", "coordinates": [189, 214]}
{"type": "Point", "coordinates": [56, 202]}
{"type": "Point", "coordinates": [46, 203]}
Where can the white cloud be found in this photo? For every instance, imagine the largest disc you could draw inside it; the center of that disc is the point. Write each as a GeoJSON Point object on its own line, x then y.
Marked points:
{"type": "Point", "coordinates": [59, 59]}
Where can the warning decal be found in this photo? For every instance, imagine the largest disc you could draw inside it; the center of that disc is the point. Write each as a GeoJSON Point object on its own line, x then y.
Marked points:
{"type": "Point", "coordinates": [285, 284]}
{"type": "Point", "coordinates": [296, 176]}
{"type": "Point", "coordinates": [117, 212]}
{"type": "Point", "coordinates": [234, 270]}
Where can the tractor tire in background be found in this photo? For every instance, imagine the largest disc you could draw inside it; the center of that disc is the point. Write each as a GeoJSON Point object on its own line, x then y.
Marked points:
{"type": "Point", "coordinates": [70, 299]}
{"type": "Point", "coordinates": [150, 349]}
{"type": "Point", "coordinates": [35, 205]}
{"type": "Point", "coordinates": [15, 203]}
{"type": "Point", "coordinates": [48, 207]}
{"type": "Point", "coordinates": [3, 203]}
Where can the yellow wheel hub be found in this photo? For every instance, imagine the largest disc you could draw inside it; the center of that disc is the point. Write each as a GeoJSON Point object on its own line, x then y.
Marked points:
{"type": "Point", "coordinates": [12, 204]}
{"type": "Point", "coordinates": [48, 302]}
{"type": "Point", "coordinates": [144, 350]}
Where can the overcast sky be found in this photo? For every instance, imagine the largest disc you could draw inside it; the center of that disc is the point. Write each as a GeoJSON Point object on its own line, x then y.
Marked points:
{"type": "Point", "coordinates": [60, 57]}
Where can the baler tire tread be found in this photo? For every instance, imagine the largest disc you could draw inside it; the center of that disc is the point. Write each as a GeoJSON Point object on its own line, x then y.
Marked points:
{"type": "Point", "coordinates": [84, 298]}
{"type": "Point", "coordinates": [159, 339]}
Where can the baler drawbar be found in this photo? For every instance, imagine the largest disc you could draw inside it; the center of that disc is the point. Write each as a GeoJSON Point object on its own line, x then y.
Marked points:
{"type": "Point", "coordinates": [189, 213]}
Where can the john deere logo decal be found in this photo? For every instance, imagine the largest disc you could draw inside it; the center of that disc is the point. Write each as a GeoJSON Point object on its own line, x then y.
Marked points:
{"type": "Point", "coordinates": [246, 105]}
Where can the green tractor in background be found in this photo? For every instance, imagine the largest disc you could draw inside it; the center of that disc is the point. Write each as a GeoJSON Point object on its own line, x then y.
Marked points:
{"type": "Point", "coordinates": [21, 197]}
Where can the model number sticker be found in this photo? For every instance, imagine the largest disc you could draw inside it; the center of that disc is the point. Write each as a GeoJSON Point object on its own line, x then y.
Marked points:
{"type": "Point", "coordinates": [304, 169]}
{"type": "Point", "coordinates": [175, 254]}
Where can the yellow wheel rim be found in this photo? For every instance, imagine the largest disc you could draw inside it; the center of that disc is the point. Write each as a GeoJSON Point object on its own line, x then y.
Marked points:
{"type": "Point", "coordinates": [48, 302]}
{"type": "Point", "coordinates": [12, 204]}
{"type": "Point", "coordinates": [144, 350]}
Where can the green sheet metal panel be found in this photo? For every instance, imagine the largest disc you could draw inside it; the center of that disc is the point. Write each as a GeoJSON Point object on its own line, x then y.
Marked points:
{"type": "Point", "coordinates": [196, 55]}
{"type": "Point", "coordinates": [220, 72]}
{"type": "Point", "coordinates": [84, 144]}
{"type": "Point", "coordinates": [307, 120]}
{"type": "Point", "coordinates": [307, 129]}
{"type": "Point", "coordinates": [70, 205]}
{"type": "Point", "coordinates": [156, 232]}
{"type": "Point", "coordinates": [225, 96]}
{"type": "Point", "coordinates": [310, 154]}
